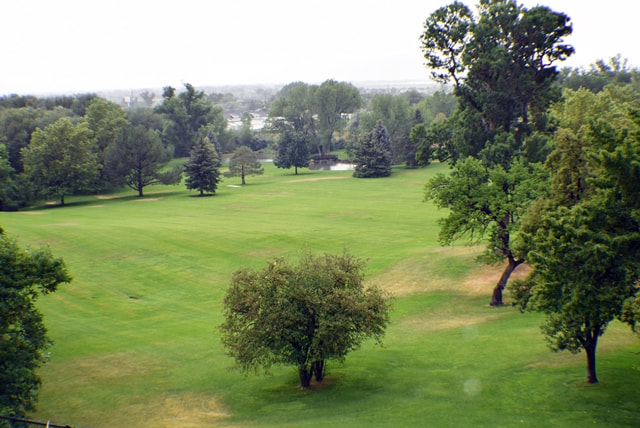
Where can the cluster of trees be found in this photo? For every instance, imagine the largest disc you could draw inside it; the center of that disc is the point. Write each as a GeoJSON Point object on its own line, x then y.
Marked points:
{"type": "Point", "coordinates": [54, 147]}
{"type": "Point", "coordinates": [335, 115]}
{"type": "Point", "coordinates": [58, 146]}
{"type": "Point", "coordinates": [546, 175]}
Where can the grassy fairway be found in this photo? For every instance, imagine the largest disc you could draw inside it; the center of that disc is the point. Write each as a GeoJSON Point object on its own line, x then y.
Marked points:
{"type": "Point", "coordinates": [135, 333]}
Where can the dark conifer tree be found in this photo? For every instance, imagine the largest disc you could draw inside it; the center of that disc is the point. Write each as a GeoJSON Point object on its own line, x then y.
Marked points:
{"type": "Point", "coordinates": [202, 170]}
{"type": "Point", "coordinates": [373, 154]}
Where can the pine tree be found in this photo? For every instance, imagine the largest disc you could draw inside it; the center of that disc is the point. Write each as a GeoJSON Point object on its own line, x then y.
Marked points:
{"type": "Point", "coordinates": [373, 155]}
{"type": "Point", "coordinates": [202, 169]}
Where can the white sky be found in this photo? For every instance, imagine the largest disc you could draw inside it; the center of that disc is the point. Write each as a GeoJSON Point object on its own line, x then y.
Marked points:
{"type": "Point", "coordinates": [55, 46]}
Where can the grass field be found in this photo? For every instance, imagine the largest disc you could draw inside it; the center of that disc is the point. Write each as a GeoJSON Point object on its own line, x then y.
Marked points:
{"type": "Point", "coordinates": [135, 332]}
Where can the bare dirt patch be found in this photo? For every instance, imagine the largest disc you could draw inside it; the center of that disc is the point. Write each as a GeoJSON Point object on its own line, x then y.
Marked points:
{"type": "Point", "coordinates": [148, 200]}
{"type": "Point", "coordinates": [116, 365]}
{"type": "Point", "coordinates": [266, 253]}
{"type": "Point", "coordinates": [187, 410]}
{"type": "Point", "coordinates": [32, 212]}
{"type": "Point", "coordinates": [302, 180]}
{"type": "Point", "coordinates": [424, 274]}
{"type": "Point", "coordinates": [106, 197]}
{"type": "Point", "coordinates": [438, 320]}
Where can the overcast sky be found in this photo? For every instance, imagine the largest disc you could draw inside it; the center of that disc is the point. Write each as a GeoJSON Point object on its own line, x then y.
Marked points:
{"type": "Point", "coordinates": [55, 46]}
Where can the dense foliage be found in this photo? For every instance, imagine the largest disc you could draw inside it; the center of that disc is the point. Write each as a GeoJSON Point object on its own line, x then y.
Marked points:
{"type": "Point", "coordinates": [372, 154]}
{"type": "Point", "coordinates": [202, 170]}
{"type": "Point", "coordinates": [24, 275]}
{"type": "Point", "coordinates": [301, 314]}
{"type": "Point", "coordinates": [243, 162]}
{"type": "Point", "coordinates": [502, 67]}
{"type": "Point", "coordinates": [585, 238]}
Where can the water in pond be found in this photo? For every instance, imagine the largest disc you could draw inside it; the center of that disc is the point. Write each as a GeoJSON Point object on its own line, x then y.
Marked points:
{"type": "Point", "coordinates": [333, 166]}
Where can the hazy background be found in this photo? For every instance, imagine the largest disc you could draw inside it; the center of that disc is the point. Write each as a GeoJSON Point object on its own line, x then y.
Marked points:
{"type": "Point", "coordinates": [55, 46]}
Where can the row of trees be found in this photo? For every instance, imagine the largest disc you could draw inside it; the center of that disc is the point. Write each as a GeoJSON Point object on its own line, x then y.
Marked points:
{"type": "Point", "coordinates": [113, 147]}
{"type": "Point", "coordinates": [545, 179]}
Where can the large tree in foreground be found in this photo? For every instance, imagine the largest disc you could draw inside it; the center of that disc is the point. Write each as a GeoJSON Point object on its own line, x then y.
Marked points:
{"type": "Point", "coordinates": [24, 275]}
{"type": "Point", "coordinates": [202, 170]}
{"type": "Point", "coordinates": [502, 65]}
{"type": "Point", "coordinates": [301, 314]}
{"type": "Point", "coordinates": [586, 247]}
{"type": "Point", "coordinates": [488, 203]}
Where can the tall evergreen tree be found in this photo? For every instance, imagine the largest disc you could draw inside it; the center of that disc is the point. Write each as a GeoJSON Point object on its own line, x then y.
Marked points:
{"type": "Point", "coordinates": [202, 170]}
{"type": "Point", "coordinates": [372, 154]}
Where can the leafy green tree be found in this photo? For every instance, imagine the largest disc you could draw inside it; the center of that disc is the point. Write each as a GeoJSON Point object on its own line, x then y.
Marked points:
{"type": "Point", "coordinates": [16, 127]}
{"type": "Point", "coordinates": [488, 203]}
{"type": "Point", "coordinates": [332, 101]}
{"type": "Point", "coordinates": [6, 179]}
{"type": "Point", "coordinates": [421, 140]}
{"type": "Point", "coordinates": [301, 314]}
{"type": "Point", "coordinates": [137, 158]}
{"type": "Point", "coordinates": [202, 170]}
{"type": "Point", "coordinates": [294, 109]}
{"type": "Point", "coordinates": [243, 162]}
{"type": "Point", "coordinates": [585, 243]}
{"type": "Point", "coordinates": [24, 275]}
{"type": "Point", "coordinates": [293, 150]}
{"type": "Point", "coordinates": [501, 64]}
{"type": "Point", "coordinates": [106, 119]}
{"type": "Point", "coordinates": [190, 116]}
{"type": "Point", "coordinates": [372, 154]}
{"type": "Point", "coordinates": [439, 103]}
{"type": "Point", "coordinates": [599, 74]}
{"type": "Point", "coordinates": [586, 268]}
{"type": "Point", "coordinates": [61, 159]}
{"type": "Point", "coordinates": [395, 114]}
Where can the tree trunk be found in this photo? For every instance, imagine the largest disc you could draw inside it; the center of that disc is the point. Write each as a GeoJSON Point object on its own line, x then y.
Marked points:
{"type": "Point", "coordinates": [589, 344]}
{"type": "Point", "coordinates": [496, 298]}
{"type": "Point", "coordinates": [296, 169]}
{"type": "Point", "coordinates": [318, 370]}
{"type": "Point", "coordinates": [242, 174]}
{"type": "Point", "coordinates": [305, 376]}
{"type": "Point", "coordinates": [62, 200]}
{"type": "Point", "coordinates": [201, 191]}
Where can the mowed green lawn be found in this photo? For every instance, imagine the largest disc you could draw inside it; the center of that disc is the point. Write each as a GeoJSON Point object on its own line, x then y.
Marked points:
{"type": "Point", "coordinates": [135, 332]}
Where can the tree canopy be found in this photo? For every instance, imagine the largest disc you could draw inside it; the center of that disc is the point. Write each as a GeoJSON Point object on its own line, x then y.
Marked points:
{"type": "Point", "coordinates": [585, 241]}
{"type": "Point", "coordinates": [293, 150]}
{"type": "Point", "coordinates": [501, 64]}
{"type": "Point", "coordinates": [243, 162]}
{"type": "Point", "coordinates": [137, 158]}
{"type": "Point", "coordinates": [190, 115]}
{"type": "Point", "coordinates": [61, 159]}
{"type": "Point", "coordinates": [301, 314]}
{"type": "Point", "coordinates": [24, 275]}
{"type": "Point", "coordinates": [373, 154]}
{"type": "Point", "coordinates": [332, 100]}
